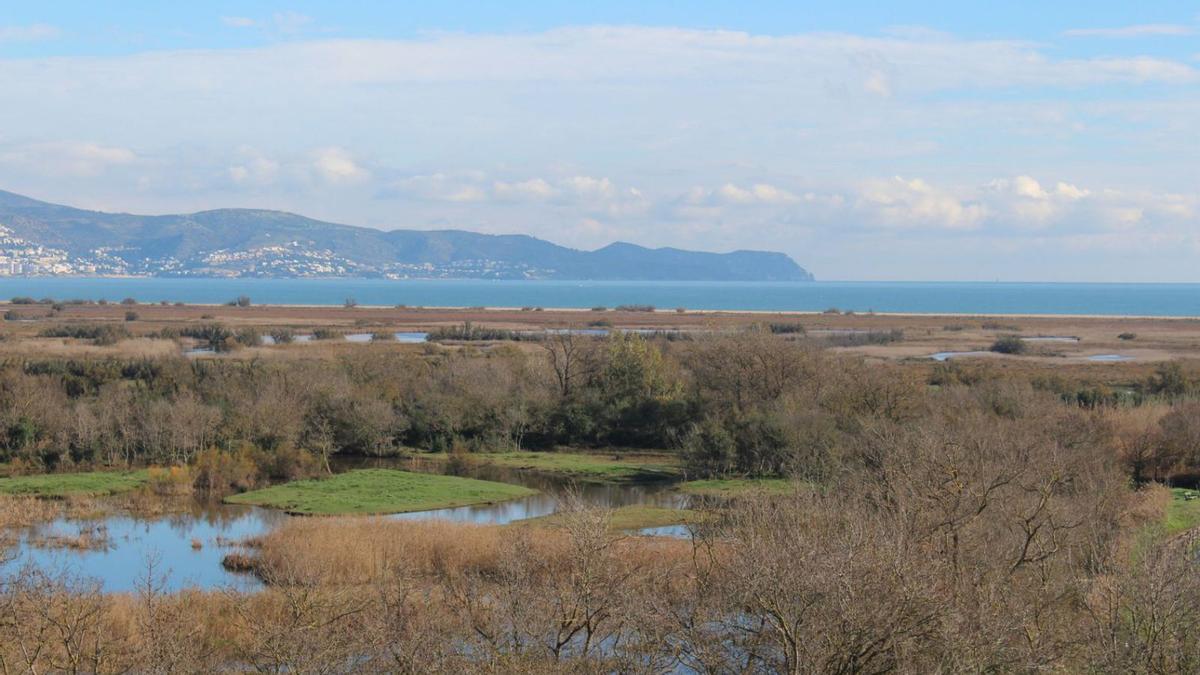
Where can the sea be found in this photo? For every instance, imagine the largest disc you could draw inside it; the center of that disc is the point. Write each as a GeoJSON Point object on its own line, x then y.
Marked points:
{"type": "Point", "coordinates": [1115, 299]}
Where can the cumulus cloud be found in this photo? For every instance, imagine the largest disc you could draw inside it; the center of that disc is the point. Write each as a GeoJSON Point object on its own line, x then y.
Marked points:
{"type": "Point", "coordinates": [253, 168]}
{"type": "Point", "coordinates": [336, 166]}
{"type": "Point", "coordinates": [442, 187]}
{"type": "Point", "coordinates": [901, 202]}
{"type": "Point", "coordinates": [534, 189]}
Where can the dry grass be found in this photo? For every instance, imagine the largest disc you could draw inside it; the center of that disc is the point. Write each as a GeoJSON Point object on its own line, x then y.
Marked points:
{"type": "Point", "coordinates": [366, 550]}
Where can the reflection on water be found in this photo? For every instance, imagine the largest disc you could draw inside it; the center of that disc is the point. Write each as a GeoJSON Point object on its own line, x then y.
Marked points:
{"type": "Point", "coordinates": [188, 547]}
{"type": "Point", "coordinates": [1109, 357]}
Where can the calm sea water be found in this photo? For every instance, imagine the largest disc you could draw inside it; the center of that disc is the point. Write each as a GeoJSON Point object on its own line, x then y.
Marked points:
{"type": "Point", "coordinates": [924, 297]}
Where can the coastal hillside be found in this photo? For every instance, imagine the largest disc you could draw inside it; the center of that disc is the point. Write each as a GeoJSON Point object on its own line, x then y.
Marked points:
{"type": "Point", "coordinates": [42, 238]}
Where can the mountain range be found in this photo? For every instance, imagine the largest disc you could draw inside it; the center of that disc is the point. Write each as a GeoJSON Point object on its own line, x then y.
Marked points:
{"type": "Point", "coordinates": [42, 238]}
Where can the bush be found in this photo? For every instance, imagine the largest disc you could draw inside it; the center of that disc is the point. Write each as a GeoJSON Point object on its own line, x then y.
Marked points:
{"type": "Point", "coordinates": [350, 303]}
{"type": "Point", "coordinates": [175, 481]}
{"type": "Point", "coordinates": [599, 308]}
{"type": "Point", "coordinates": [217, 471]}
{"type": "Point", "coordinates": [23, 300]}
{"type": "Point", "coordinates": [787, 328]}
{"type": "Point", "coordinates": [248, 337]}
{"type": "Point", "coordinates": [283, 336]}
{"type": "Point", "coordinates": [1008, 344]}
{"type": "Point", "coordinates": [129, 301]}
{"type": "Point", "coordinates": [635, 308]}
{"type": "Point", "coordinates": [1127, 336]}
{"type": "Point", "coordinates": [101, 334]}
{"type": "Point", "coordinates": [325, 334]}
{"type": "Point", "coordinates": [131, 316]}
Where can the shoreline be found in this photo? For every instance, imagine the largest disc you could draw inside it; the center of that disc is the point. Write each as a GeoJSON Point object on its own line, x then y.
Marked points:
{"type": "Point", "coordinates": [849, 314]}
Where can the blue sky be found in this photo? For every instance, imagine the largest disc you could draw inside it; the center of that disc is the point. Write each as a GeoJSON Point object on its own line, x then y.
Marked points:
{"type": "Point", "coordinates": [869, 140]}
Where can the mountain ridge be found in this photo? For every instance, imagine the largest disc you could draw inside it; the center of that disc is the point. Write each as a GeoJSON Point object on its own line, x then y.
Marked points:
{"type": "Point", "coordinates": [38, 237]}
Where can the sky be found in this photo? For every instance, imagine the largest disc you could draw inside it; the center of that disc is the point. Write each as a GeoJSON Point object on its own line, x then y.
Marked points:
{"type": "Point", "coordinates": [935, 140]}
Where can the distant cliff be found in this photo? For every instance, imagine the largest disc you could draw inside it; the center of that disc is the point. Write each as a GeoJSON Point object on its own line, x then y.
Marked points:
{"type": "Point", "coordinates": [41, 238]}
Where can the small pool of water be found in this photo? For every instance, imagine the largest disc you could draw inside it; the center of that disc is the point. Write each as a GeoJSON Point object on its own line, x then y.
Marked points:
{"type": "Point", "coordinates": [673, 531]}
{"type": "Point", "coordinates": [946, 356]}
{"type": "Point", "coordinates": [1109, 358]}
{"type": "Point", "coordinates": [188, 547]}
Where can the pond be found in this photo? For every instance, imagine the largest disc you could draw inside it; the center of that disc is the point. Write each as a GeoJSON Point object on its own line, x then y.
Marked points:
{"type": "Point", "coordinates": [946, 356]}
{"type": "Point", "coordinates": [188, 547]}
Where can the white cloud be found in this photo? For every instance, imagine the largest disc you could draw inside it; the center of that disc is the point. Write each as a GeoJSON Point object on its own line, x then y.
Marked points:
{"type": "Point", "coordinates": [901, 202]}
{"type": "Point", "coordinates": [32, 33]}
{"type": "Point", "coordinates": [253, 168]}
{"type": "Point", "coordinates": [279, 23]}
{"type": "Point", "coordinates": [335, 166]}
{"type": "Point", "coordinates": [442, 187]}
{"type": "Point", "coordinates": [534, 189]}
{"type": "Point", "coordinates": [67, 157]}
{"type": "Point", "coordinates": [1134, 31]}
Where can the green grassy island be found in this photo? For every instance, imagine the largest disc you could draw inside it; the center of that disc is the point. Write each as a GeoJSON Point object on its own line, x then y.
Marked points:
{"type": "Point", "coordinates": [379, 491]}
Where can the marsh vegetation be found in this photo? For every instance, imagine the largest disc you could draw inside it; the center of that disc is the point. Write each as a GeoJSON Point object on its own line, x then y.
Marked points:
{"type": "Point", "coordinates": [853, 515]}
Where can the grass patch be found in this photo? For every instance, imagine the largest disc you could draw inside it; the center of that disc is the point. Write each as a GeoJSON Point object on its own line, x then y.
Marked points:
{"type": "Point", "coordinates": [629, 518]}
{"type": "Point", "coordinates": [733, 487]}
{"type": "Point", "coordinates": [89, 484]}
{"type": "Point", "coordinates": [588, 467]}
{"type": "Point", "coordinates": [1183, 511]}
{"type": "Point", "coordinates": [379, 491]}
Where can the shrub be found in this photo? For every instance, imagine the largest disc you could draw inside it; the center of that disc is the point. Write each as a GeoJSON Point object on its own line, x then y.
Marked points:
{"type": "Point", "coordinates": [101, 334]}
{"type": "Point", "coordinates": [350, 303]}
{"type": "Point", "coordinates": [170, 482]}
{"type": "Point", "coordinates": [23, 300]}
{"type": "Point", "coordinates": [325, 334]}
{"type": "Point", "coordinates": [859, 339]}
{"type": "Point", "coordinates": [131, 316]}
{"type": "Point", "coordinates": [787, 328]}
{"type": "Point", "coordinates": [248, 337]}
{"type": "Point", "coordinates": [383, 336]}
{"type": "Point", "coordinates": [599, 308]}
{"type": "Point", "coordinates": [129, 301]}
{"type": "Point", "coordinates": [282, 336]}
{"type": "Point", "coordinates": [1008, 344]}
{"type": "Point", "coordinates": [635, 308]}
{"type": "Point", "coordinates": [1127, 336]}
{"type": "Point", "coordinates": [217, 471]}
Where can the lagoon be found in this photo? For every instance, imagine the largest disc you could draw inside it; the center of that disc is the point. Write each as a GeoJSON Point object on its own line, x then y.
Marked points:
{"type": "Point", "coordinates": [905, 297]}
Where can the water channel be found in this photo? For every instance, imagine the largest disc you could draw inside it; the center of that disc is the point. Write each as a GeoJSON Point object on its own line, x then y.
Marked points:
{"type": "Point", "coordinates": [187, 547]}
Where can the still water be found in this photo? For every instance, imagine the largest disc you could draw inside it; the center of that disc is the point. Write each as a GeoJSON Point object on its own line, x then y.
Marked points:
{"type": "Point", "coordinates": [187, 548]}
{"type": "Point", "coordinates": [920, 297]}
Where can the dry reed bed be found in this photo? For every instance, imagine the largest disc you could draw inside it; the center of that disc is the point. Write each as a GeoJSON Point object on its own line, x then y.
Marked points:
{"type": "Point", "coordinates": [370, 550]}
